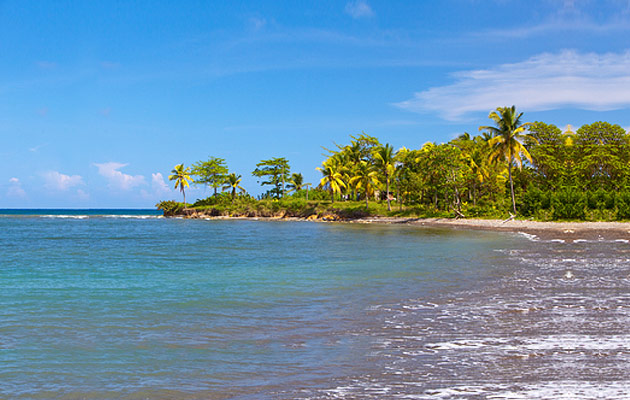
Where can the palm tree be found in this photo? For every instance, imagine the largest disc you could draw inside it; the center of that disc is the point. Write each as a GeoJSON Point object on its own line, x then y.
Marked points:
{"type": "Point", "coordinates": [384, 157]}
{"type": "Point", "coordinates": [506, 138]}
{"type": "Point", "coordinates": [366, 177]}
{"type": "Point", "coordinates": [333, 177]}
{"type": "Point", "coordinates": [182, 179]}
{"type": "Point", "coordinates": [296, 182]}
{"type": "Point", "coordinates": [232, 182]}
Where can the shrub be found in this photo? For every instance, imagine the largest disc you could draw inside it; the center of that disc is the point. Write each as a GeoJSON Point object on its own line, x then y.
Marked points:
{"type": "Point", "coordinates": [170, 207]}
{"type": "Point", "coordinates": [568, 203]}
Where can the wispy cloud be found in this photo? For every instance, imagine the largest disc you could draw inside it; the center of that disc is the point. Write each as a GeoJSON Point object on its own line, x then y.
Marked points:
{"type": "Point", "coordinates": [257, 22]}
{"type": "Point", "coordinates": [568, 79]}
{"type": "Point", "coordinates": [359, 9]}
{"type": "Point", "coordinates": [46, 64]}
{"type": "Point", "coordinates": [55, 180]}
{"type": "Point", "coordinates": [117, 179]}
{"type": "Point", "coordinates": [15, 189]}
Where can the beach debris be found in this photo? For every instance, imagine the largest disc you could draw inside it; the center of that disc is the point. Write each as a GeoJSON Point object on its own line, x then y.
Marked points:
{"type": "Point", "coordinates": [568, 275]}
{"type": "Point", "coordinates": [569, 231]}
{"type": "Point", "coordinates": [512, 216]}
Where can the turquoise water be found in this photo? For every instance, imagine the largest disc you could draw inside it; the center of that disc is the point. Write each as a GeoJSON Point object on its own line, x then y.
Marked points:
{"type": "Point", "coordinates": [112, 305]}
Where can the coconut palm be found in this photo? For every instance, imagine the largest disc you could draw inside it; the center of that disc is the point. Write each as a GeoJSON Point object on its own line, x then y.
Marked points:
{"type": "Point", "coordinates": [232, 182]}
{"type": "Point", "coordinates": [384, 159]}
{"type": "Point", "coordinates": [182, 179]}
{"type": "Point", "coordinates": [332, 178]}
{"type": "Point", "coordinates": [296, 182]}
{"type": "Point", "coordinates": [365, 176]}
{"type": "Point", "coordinates": [506, 138]}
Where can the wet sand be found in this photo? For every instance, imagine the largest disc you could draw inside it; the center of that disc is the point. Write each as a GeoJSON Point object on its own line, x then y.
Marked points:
{"type": "Point", "coordinates": [568, 231]}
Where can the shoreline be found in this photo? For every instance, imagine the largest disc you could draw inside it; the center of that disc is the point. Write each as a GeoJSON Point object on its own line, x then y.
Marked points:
{"type": "Point", "coordinates": [567, 231]}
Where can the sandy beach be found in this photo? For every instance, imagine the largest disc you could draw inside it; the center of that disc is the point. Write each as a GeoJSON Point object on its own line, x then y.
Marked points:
{"type": "Point", "coordinates": [567, 231]}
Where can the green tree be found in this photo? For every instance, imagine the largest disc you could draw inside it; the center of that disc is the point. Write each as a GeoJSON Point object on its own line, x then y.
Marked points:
{"type": "Point", "coordinates": [212, 172]}
{"type": "Point", "coordinates": [506, 140]}
{"type": "Point", "coordinates": [365, 177]}
{"type": "Point", "coordinates": [296, 182]}
{"type": "Point", "coordinates": [232, 182]}
{"type": "Point", "coordinates": [384, 159]}
{"type": "Point", "coordinates": [182, 179]}
{"type": "Point", "coordinates": [332, 177]}
{"type": "Point", "coordinates": [276, 171]}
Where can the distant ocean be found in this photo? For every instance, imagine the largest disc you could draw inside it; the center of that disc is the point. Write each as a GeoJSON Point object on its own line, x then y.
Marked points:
{"type": "Point", "coordinates": [124, 304]}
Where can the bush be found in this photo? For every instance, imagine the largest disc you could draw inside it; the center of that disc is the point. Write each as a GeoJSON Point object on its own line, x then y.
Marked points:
{"type": "Point", "coordinates": [534, 200]}
{"type": "Point", "coordinates": [170, 207]}
{"type": "Point", "coordinates": [622, 203]}
{"type": "Point", "coordinates": [601, 200]}
{"type": "Point", "coordinates": [569, 203]}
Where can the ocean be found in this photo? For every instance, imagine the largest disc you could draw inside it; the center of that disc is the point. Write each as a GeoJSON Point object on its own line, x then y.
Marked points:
{"type": "Point", "coordinates": [120, 304]}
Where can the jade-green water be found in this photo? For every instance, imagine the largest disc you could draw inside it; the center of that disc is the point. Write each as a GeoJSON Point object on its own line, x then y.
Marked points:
{"type": "Point", "coordinates": [138, 307]}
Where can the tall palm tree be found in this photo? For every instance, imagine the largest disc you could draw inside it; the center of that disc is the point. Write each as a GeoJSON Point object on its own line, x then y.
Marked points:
{"type": "Point", "coordinates": [506, 138]}
{"type": "Point", "coordinates": [366, 177]}
{"type": "Point", "coordinates": [182, 179]}
{"type": "Point", "coordinates": [232, 182]}
{"type": "Point", "coordinates": [332, 178]}
{"type": "Point", "coordinates": [384, 158]}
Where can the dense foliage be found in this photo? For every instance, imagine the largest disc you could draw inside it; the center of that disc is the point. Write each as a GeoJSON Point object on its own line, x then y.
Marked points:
{"type": "Point", "coordinates": [533, 169]}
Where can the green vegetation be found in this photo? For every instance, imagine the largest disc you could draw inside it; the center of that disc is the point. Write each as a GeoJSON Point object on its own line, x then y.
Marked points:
{"type": "Point", "coordinates": [531, 169]}
{"type": "Point", "coordinates": [182, 178]}
{"type": "Point", "coordinates": [276, 170]}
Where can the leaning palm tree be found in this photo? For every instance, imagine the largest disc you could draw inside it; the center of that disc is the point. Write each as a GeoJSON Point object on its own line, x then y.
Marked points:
{"type": "Point", "coordinates": [365, 176]}
{"type": "Point", "coordinates": [182, 179]}
{"type": "Point", "coordinates": [333, 178]}
{"type": "Point", "coordinates": [506, 138]}
{"type": "Point", "coordinates": [232, 182]}
{"type": "Point", "coordinates": [384, 157]}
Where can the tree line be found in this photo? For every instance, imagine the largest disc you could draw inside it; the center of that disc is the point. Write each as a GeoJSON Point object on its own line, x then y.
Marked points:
{"type": "Point", "coordinates": [532, 169]}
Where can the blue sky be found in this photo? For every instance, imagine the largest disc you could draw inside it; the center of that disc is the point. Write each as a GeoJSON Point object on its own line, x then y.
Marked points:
{"type": "Point", "coordinates": [99, 100]}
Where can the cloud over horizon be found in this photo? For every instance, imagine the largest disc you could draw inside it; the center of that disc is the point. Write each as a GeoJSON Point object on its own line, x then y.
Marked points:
{"type": "Point", "coordinates": [55, 180]}
{"type": "Point", "coordinates": [569, 79]}
{"type": "Point", "coordinates": [15, 189]}
{"type": "Point", "coordinates": [118, 179]}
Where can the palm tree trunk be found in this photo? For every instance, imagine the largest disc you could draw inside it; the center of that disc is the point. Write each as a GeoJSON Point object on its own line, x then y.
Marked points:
{"type": "Point", "coordinates": [512, 186]}
{"type": "Point", "coordinates": [184, 193]}
{"type": "Point", "coordinates": [332, 196]}
{"type": "Point", "coordinates": [389, 206]}
{"type": "Point", "coordinates": [367, 198]}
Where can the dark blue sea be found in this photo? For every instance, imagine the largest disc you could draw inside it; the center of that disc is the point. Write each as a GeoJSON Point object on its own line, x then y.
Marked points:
{"type": "Point", "coordinates": [125, 304]}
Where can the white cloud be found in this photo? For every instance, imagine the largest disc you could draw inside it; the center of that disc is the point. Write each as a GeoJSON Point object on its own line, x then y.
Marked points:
{"type": "Point", "coordinates": [569, 79]}
{"type": "Point", "coordinates": [158, 185]}
{"type": "Point", "coordinates": [57, 181]}
{"type": "Point", "coordinates": [117, 179]}
{"type": "Point", "coordinates": [159, 188]}
{"type": "Point", "coordinates": [15, 189]}
{"type": "Point", "coordinates": [359, 9]}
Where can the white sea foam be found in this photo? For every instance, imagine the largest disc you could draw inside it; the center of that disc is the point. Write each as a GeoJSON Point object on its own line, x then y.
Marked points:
{"type": "Point", "coordinates": [67, 216]}
{"type": "Point", "coordinates": [529, 236]}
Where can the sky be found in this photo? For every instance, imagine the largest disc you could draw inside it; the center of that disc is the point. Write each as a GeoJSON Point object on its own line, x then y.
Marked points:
{"type": "Point", "coordinates": [100, 100]}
